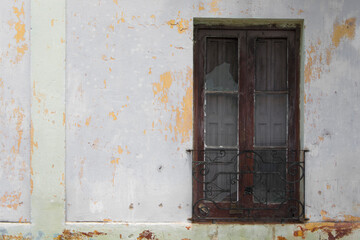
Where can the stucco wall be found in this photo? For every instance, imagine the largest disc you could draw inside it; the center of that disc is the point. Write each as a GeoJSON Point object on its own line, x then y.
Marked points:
{"type": "Point", "coordinates": [129, 105]}
{"type": "Point", "coordinates": [127, 88]}
{"type": "Point", "coordinates": [14, 111]}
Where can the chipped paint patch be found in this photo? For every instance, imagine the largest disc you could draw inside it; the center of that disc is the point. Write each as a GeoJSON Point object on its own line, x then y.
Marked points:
{"type": "Point", "coordinates": [314, 65]}
{"type": "Point", "coordinates": [333, 230]}
{"type": "Point", "coordinates": [20, 29]}
{"type": "Point", "coordinates": [14, 237]}
{"type": "Point", "coordinates": [181, 112]}
{"type": "Point", "coordinates": [73, 235]}
{"type": "Point", "coordinates": [181, 24]}
{"type": "Point", "coordinates": [11, 200]}
{"type": "Point", "coordinates": [147, 234]}
{"type": "Point", "coordinates": [214, 6]}
{"type": "Point", "coordinates": [161, 89]}
{"type": "Point", "coordinates": [184, 123]}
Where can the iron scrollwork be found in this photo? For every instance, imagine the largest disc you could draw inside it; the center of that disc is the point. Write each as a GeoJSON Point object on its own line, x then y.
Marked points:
{"type": "Point", "coordinates": [248, 184]}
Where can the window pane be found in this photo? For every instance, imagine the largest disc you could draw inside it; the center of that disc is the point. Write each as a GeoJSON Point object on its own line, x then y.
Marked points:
{"type": "Point", "coordinates": [221, 64]}
{"type": "Point", "coordinates": [221, 111]}
{"type": "Point", "coordinates": [270, 119]}
{"type": "Point", "coordinates": [271, 64]}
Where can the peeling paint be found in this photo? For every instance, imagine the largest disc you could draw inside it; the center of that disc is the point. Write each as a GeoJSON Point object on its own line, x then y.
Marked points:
{"type": "Point", "coordinates": [14, 237]}
{"type": "Point", "coordinates": [146, 234]}
{"type": "Point", "coordinates": [214, 6]}
{"type": "Point", "coordinates": [11, 200]}
{"type": "Point", "coordinates": [181, 24]}
{"type": "Point", "coordinates": [314, 64]}
{"type": "Point", "coordinates": [333, 230]}
{"type": "Point", "coordinates": [73, 235]}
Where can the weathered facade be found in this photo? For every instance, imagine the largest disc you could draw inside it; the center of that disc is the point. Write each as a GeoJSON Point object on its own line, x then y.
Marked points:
{"type": "Point", "coordinates": [96, 111]}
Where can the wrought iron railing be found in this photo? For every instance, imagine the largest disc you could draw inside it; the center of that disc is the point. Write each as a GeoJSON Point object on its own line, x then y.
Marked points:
{"type": "Point", "coordinates": [248, 185]}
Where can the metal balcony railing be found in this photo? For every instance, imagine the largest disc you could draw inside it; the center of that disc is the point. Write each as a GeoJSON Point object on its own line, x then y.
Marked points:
{"type": "Point", "coordinates": [248, 185]}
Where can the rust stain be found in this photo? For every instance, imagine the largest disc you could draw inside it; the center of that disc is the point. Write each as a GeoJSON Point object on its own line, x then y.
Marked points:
{"type": "Point", "coordinates": [11, 200]}
{"type": "Point", "coordinates": [1, 83]}
{"type": "Point", "coordinates": [73, 235]}
{"type": "Point", "coordinates": [14, 237]}
{"type": "Point", "coordinates": [147, 234]}
{"type": "Point", "coordinates": [281, 238]}
{"type": "Point", "coordinates": [334, 230]}
{"type": "Point", "coordinates": [321, 138]}
{"type": "Point", "coordinates": [349, 218]}
{"type": "Point", "coordinates": [328, 186]}
{"type": "Point", "coordinates": [131, 206]}
{"type": "Point", "coordinates": [188, 227]}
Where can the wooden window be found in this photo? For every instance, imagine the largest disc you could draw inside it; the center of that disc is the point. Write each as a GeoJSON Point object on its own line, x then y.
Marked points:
{"type": "Point", "coordinates": [246, 154]}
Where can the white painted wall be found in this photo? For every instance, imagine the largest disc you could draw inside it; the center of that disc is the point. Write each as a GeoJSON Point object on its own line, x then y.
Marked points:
{"type": "Point", "coordinates": [129, 106]}
{"type": "Point", "coordinates": [129, 111]}
{"type": "Point", "coordinates": [14, 111]}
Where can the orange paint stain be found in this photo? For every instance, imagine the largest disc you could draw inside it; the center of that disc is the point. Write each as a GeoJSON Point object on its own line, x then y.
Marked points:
{"type": "Point", "coordinates": [87, 121]}
{"type": "Point", "coordinates": [113, 115]}
{"type": "Point", "coordinates": [11, 200]}
{"type": "Point", "coordinates": [127, 150]}
{"type": "Point", "coordinates": [314, 66]}
{"type": "Point", "coordinates": [214, 6]}
{"type": "Point", "coordinates": [52, 22]}
{"type": "Point", "coordinates": [64, 119]}
{"type": "Point", "coordinates": [19, 26]}
{"type": "Point", "coordinates": [120, 150]}
{"type": "Point", "coordinates": [346, 30]}
{"type": "Point", "coordinates": [161, 89]}
{"type": "Point", "coordinates": [18, 114]}
{"type": "Point", "coordinates": [115, 1]}
{"type": "Point", "coordinates": [334, 230]}
{"type": "Point", "coordinates": [201, 6]}
{"type": "Point", "coordinates": [184, 122]}
{"type": "Point", "coordinates": [181, 24]}
{"type": "Point", "coordinates": [107, 220]}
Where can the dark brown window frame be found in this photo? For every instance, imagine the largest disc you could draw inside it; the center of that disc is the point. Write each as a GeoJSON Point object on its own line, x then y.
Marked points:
{"type": "Point", "coordinates": [246, 36]}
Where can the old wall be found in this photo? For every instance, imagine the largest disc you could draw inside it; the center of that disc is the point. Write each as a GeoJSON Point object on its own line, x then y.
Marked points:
{"type": "Point", "coordinates": [116, 156]}
{"type": "Point", "coordinates": [15, 111]}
